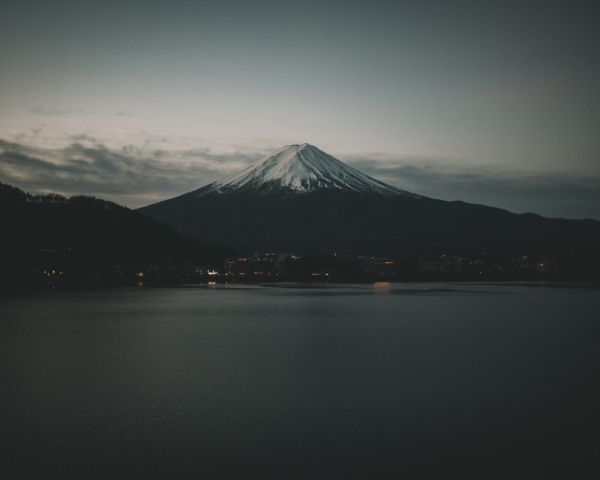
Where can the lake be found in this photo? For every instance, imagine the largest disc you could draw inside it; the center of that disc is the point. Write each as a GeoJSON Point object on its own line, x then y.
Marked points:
{"type": "Point", "coordinates": [293, 381]}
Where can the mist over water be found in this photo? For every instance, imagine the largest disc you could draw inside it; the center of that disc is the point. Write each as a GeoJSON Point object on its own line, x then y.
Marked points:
{"type": "Point", "coordinates": [285, 382]}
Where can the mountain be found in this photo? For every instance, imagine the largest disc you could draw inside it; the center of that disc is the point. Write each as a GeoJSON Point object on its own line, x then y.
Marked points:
{"type": "Point", "coordinates": [86, 234]}
{"type": "Point", "coordinates": [301, 199]}
{"type": "Point", "coordinates": [301, 169]}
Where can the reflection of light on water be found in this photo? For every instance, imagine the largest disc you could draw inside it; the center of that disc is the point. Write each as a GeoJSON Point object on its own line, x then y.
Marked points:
{"type": "Point", "coordinates": [212, 284]}
{"type": "Point", "coordinates": [381, 288]}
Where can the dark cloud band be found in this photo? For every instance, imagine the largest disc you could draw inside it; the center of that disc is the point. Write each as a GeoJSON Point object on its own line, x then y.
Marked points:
{"type": "Point", "coordinates": [136, 177]}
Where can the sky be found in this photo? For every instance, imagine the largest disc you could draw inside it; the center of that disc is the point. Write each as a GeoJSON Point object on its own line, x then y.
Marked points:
{"type": "Point", "coordinates": [137, 101]}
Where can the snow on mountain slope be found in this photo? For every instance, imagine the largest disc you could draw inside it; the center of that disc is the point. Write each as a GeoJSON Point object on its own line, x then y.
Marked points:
{"type": "Point", "coordinates": [299, 169]}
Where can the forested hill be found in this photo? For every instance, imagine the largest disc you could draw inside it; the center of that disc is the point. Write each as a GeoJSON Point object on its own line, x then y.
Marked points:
{"type": "Point", "coordinates": [86, 234]}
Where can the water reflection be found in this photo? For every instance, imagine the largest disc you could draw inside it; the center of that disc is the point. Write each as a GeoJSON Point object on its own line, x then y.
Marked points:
{"type": "Point", "coordinates": [381, 288]}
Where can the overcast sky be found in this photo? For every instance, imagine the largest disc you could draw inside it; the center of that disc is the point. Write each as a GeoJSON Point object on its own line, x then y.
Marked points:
{"type": "Point", "coordinates": [492, 102]}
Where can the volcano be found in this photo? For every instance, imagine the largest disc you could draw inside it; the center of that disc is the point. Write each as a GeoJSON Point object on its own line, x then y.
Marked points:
{"type": "Point", "coordinates": [301, 169]}
{"type": "Point", "coordinates": [301, 199]}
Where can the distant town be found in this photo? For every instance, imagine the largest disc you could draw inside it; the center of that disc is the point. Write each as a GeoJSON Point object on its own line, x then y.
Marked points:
{"type": "Point", "coordinates": [330, 266]}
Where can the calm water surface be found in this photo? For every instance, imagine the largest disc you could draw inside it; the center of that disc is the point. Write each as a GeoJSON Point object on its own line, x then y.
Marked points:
{"type": "Point", "coordinates": [369, 381]}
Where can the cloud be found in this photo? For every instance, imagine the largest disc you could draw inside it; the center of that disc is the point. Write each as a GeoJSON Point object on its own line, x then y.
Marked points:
{"type": "Point", "coordinates": [57, 112]}
{"type": "Point", "coordinates": [136, 176]}
{"type": "Point", "coordinates": [550, 194]}
{"type": "Point", "coordinates": [128, 175]}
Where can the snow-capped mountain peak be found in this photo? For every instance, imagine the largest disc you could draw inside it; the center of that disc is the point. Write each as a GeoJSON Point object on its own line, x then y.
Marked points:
{"type": "Point", "coordinates": [302, 168]}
